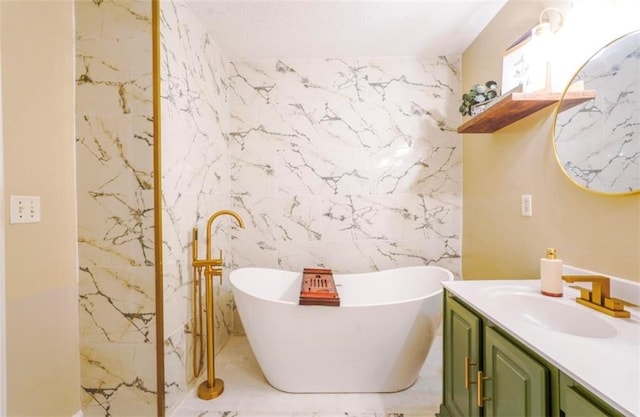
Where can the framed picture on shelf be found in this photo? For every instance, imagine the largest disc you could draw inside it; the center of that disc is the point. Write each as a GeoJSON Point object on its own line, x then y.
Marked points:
{"type": "Point", "coordinates": [526, 63]}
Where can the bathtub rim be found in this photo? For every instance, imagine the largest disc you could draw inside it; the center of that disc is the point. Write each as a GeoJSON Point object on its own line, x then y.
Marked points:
{"type": "Point", "coordinates": [448, 273]}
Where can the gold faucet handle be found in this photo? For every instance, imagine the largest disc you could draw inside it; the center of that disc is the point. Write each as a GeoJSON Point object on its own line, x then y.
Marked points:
{"type": "Point", "coordinates": [617, 304]}
{"type": "Point", "coordinates": [585, 293]}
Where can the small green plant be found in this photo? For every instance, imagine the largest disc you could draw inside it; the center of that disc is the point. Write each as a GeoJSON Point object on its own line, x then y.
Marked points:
{"type": "Point", "coordinates": [478, 94]}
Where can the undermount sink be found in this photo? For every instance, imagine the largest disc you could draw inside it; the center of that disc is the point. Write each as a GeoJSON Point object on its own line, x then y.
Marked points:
{"type": "Point", "coordinates": [552, 314]}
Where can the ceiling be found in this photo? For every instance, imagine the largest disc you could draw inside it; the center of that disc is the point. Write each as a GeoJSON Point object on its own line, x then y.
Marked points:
{"type": "Point", "coordinates": [277, 29]}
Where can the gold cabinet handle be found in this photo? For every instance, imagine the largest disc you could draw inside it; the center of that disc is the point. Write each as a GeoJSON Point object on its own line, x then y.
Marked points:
{"type": "Point", "coordinates": [467, 369]}
{"type": "Point", "coordinates": [481, 398]}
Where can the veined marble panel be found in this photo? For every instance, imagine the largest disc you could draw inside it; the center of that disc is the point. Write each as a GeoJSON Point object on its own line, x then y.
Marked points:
{"type": "Point", "coordinates": [118, 379]}
{"type": "Point", "coordinates": [115, 19]}
{"type": "Point", "coordinates": [196, 183]}
{"type": "Point", "coordinates": [106, 86]}
{"type": "Point", "coordinates": [194, 105]}
{"type": "Point", "coordinates": [115, 228]}
{"type": "Point", "coordinates": [114, 127]}
{"type": "Point", "coordinates": [178, 366]}
{"type": "Point", "coordinates": [178, 292]}
{"type": "Point", "coordinates": [114, 152]}
{"type": "Point", "coordinates": [117, 305]}
{"type": "Point", "coordinates": [351, 164]}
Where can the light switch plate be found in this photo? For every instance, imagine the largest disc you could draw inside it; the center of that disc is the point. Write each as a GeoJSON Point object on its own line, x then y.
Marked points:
{"type": "Point", "coordinates": [526, 205]}
{"type": "Point", "coordinates": [24, 209]}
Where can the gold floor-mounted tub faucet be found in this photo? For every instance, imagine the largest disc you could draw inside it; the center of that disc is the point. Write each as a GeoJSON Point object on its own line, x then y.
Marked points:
{"type": "Point", "coordinates": [212, 267]}
{"type": "Point", "coordinates": [599, 296]}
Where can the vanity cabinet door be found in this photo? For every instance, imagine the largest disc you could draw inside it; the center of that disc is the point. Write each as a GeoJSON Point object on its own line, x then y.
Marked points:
{"type": "Point", "coordinates": [577, 401]}
{"type": "Point", "coordinates": [461, 359]}
{"type": "Point", "coordinates": [514, 384]}
{"type": "Point", "coordinates": [575, 405]}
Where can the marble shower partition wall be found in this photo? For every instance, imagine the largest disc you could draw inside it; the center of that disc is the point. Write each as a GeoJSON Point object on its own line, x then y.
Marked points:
{"type": "Point", "coordinates": [114, 145]}
{"type": "Point", "coordinates": [195, 178]}
{"type": "Point", "coordinates": [350, 164]}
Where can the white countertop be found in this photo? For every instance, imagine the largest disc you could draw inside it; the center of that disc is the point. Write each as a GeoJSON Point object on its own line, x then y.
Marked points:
{"type": "Point", "coordinates": [607, 366]}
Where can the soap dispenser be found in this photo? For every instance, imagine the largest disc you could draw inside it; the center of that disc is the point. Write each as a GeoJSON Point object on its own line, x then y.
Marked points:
{"type": "Point", "coordinates": [551, 274]}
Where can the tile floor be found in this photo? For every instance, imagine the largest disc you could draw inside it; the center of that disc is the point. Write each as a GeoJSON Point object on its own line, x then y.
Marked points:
{"type": "Point", "coordinates": [247, 393]}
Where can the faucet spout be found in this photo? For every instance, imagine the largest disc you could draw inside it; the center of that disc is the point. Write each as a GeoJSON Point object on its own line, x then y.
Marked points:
{"type": "Point", "coordinates": [600, 286]}
{"type": "Point", "coordinates": [210, 222]}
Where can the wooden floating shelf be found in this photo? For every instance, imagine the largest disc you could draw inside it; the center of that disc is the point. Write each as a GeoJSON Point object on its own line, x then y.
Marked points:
{"type": "Point", "coordinates": [515, 106]}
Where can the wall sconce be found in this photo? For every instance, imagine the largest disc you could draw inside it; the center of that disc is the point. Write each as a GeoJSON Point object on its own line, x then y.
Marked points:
{"type": "Point", "coordinates": [526, 65]}
{"type": "Point", "coordinates": [550, 20]}
{"type": "Point", "coordinates": [543, 49]}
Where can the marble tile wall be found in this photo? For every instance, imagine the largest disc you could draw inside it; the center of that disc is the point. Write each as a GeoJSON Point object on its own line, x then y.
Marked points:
{"type": "Point", "coordinates": [114, 148]}
{"type": "Point", "coordinates": [196, 183]}
{"type": "Point", "coordinates": [350, 164]}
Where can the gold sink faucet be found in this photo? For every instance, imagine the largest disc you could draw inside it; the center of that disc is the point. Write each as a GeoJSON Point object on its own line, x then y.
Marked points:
{"type": "Point", "coordinates": [599, 296]}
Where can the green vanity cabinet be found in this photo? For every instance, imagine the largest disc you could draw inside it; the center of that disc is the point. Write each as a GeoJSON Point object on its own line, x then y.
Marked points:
{"type": "Point", "coordinates": [461, 359]}
{"type": "Point", "coordinates": [577, 401]}
{"type": "Point", "coordinates": [482, 363]}
{"type": "Point", "coordinates": [515, 384]}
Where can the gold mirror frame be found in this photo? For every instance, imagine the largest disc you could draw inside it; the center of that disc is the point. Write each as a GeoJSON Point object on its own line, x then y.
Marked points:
{"type": "Point", "coordinates": [591, 105]}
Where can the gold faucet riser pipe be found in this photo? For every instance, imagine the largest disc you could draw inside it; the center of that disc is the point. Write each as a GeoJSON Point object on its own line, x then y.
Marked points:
{"type": "Point", "coordinates": [210, 340]}
{"type": "Point", "coordinates": [198, 342]}
{"type": "Point", "coordinates": [194, 307]}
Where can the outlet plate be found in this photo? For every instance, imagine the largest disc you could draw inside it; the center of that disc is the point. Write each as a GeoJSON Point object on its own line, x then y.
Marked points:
{"type": "Point", "coordinates": [526, 205]}
{"type": "Point", "coordinates": [25, 209]}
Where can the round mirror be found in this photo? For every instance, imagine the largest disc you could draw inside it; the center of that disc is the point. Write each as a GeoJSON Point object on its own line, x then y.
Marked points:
{"type": "Point", "coordinates": [597, 142]}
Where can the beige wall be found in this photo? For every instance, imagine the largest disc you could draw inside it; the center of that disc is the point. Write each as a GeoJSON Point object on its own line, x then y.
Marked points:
{"type": "Point", "coordinates": [3, 344]}
{"type": "Point", "coordinates": [41, 261]}
{"type": "Point", "coordinates": [599, 233]}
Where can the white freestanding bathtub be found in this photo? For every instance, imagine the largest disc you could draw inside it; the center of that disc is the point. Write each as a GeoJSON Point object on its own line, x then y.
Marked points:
{"type": "Point", "coordinates": [375, 341]}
